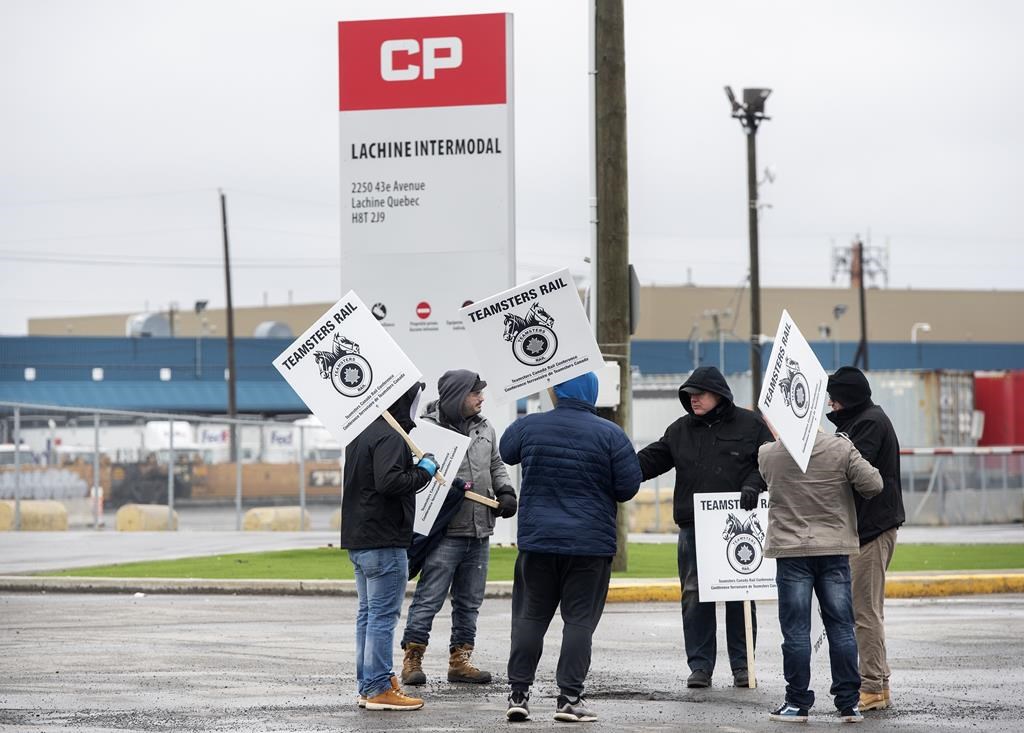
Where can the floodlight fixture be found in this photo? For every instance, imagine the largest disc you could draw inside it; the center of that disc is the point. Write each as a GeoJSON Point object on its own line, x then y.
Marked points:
{"type": "Point", "coordinates": [201, 306]}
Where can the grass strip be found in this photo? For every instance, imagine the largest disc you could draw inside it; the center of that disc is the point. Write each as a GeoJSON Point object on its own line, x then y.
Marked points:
{"type": "Point", "coordinates": [645, 561]}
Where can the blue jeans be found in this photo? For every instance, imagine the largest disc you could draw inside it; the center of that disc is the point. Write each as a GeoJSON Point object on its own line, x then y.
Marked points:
{"type": "Point", "coordinates": [829, 577]}
{"type": "Point", "coordinates": [381, 575]}
{"type": "Point", "coordinates": [700, 622]}
{"type": "Point", "coordinates": [459, 565]}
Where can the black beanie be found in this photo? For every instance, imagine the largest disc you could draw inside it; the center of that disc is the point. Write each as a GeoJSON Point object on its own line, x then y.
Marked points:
{"type": "Point", "coordinates": [849, 387]}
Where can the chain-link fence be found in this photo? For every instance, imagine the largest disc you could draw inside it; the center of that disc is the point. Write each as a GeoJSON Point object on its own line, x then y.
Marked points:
{"type": "Point", "coordinates": [208, 469]}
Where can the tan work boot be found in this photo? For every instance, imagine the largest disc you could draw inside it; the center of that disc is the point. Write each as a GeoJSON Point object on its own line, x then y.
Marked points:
{"type": "Point", "coordinates": [460, 669]}
{"type": "Point", "coordinates": [412, 665]}
{"type": "Point", "coordinates": [873, 701]}
{"type": "Point", "coordinates": [393, 699]}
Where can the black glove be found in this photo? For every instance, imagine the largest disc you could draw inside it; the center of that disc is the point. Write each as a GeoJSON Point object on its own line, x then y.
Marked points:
{"type": "Point", "coordinates": [748, 498]}
{"type": "Point", "coordinates": [507, 505]}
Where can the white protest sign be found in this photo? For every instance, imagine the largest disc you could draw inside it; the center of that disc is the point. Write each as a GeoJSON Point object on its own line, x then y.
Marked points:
{"type": "Point", "coordinates": [793, 394]}
{"type": "Point", "coordinates": [532, 336]}
{"type": "Point", "coordinates": [731, 565]}
{"type": "Point", "coordinates": [449, 448]}
{"type": "Point", "coordinates": [346, 368]}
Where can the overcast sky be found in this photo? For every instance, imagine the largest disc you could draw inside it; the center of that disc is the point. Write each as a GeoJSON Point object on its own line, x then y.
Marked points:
{"type": "Point", "coordinates": [122, 118]}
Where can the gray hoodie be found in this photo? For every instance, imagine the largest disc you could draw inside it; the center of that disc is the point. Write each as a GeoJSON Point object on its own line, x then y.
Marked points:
{"type": "Point", "coordinates": [482, 464]}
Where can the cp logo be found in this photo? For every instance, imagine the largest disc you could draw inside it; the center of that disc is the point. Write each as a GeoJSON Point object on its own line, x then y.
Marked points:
{"type": "Point", "coordinates": [451, 58]}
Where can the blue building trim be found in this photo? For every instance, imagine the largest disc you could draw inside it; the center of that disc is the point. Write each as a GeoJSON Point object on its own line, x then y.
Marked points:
{"type": "Point", "coordinates": [63, 367]}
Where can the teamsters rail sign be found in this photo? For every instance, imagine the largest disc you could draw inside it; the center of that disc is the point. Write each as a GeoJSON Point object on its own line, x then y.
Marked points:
{"type": "Point", "coordinates": [449, 447]}
{"type": "Point", "coordinates": [793, 393]}
{"type": "Point", "coordinates": [346, 368]}
{"type": "Point", "coordinates": [731, 565]}
{"type": "Point", "coordinates": [532, 336]}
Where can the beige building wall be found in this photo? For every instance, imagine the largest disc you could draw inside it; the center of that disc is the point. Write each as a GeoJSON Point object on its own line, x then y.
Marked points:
{"type": "Point", "coordinates": [987, 316]}
{"type": "Point", "coordinates": [670, 312]}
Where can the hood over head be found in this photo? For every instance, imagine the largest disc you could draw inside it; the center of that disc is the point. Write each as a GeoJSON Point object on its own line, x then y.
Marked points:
{"type": "Point", "coordinates": [705, 379]}
{"type": "Point", "coordinates": [452, 389]}
{"type": "Point", "coordinates": [402, 408]}
{"type": "Point", "coordinates": [849, 387]}
{"type": "Point", "coordinates": [582, 388]}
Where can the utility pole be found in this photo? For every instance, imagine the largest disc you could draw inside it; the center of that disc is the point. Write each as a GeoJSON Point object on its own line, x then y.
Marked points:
{"type": "Point", "coordinates": [750, 113]}
{"type": "Point", "coordinates": [230, 315]}
{"type": "Point", "coordinates": [612, 266]}
{"type": "Point", "coordinates": [857, 276]}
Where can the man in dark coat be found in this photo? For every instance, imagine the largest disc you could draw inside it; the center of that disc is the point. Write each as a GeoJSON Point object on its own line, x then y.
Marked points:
{"type": "Point", "coordinates": [377, 510]}
{"type": "Point", "coordinates": [712, 449]}
{"type": "Point", "coordinates": [576, 467]}
{"type": "Point", "coordinates": [869, 428]}
{"type": "Point", "coordinates": [457, 566]}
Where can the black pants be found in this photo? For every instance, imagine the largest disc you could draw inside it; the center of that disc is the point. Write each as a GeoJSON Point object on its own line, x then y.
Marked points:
{"type": "Point", "coordinates": [579, 583]}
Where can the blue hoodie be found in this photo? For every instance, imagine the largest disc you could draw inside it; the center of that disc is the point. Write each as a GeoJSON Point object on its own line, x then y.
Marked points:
{"type": "Point", "coordinates": [576, 466]}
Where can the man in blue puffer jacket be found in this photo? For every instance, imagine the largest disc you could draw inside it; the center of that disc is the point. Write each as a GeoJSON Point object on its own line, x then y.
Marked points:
{"type": "Point", "coordinates": [576, 467]}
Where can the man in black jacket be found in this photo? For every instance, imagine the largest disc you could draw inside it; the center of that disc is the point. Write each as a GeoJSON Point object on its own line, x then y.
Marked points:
{"type": "Point", "coordinates": [713, 448]}
{"type": "Point", "coordinates": [377, 510]}
{"type": "Point", "coordinates": [872, 433]}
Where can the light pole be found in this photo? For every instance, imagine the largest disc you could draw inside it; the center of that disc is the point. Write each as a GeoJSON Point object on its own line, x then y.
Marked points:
{"type": "Point", "coordinates": [750, 113]}
{"type": "Point", "coordinates": [200, 307]}
{"type": "Point", "coordinates": [926, 327]}
{"type": "Point", "coordinates": [716, 315]}
{"type": "Point", "coordinates": [837, 313]}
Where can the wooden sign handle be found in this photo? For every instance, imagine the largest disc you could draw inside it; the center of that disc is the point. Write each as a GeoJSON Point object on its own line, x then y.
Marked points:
{"type": "Point", "coordinates": [486, 501]}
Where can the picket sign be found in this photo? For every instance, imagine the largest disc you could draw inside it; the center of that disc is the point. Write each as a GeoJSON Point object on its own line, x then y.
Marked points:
{"type": "Point", "coordinates": [348, 370]}
{"type": "Point", "coordinates": [793, 392]}
{"type": "Point", "coordinates": [486, 501]}
{"type": "Point", "coordinates": [532, 336]}
{"type": "Point", "coordinates": [731, 565]}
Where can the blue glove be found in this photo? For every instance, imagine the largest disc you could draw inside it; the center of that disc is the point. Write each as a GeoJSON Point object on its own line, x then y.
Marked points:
{"type": "Point", "coordinates": [428, 463]}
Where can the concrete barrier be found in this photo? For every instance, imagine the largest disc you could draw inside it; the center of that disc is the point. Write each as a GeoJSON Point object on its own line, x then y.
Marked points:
{"type": "Point", "coordinates": [276, 519]}
{"type": "Point", "coordinates": [648, 515]}
{"type": "Point", "coordinates": [145, 518]}
{"type": "Point", "coordinates": [336, 519]}
{"type": "Point", "coordinates": [36, 516]}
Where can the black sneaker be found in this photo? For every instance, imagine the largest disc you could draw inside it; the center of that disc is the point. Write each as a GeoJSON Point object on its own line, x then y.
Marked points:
{"type": "Point", "coordinates": [850, 715]}
{"type": "Point", "coordinates": [573, 711]}
{"type": "Point", "coordinates": [740, 678]}
{"type": "Point", "coordinates": [698, 678]}
{"type": "Point", "coordinates": [518, 707]}
{"type": "Point", "coordinates": [788, 713]}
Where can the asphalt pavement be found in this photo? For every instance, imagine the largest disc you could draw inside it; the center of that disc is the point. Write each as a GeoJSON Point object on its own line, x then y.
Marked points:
{"type": "Point", "coordinates": [102, 663]}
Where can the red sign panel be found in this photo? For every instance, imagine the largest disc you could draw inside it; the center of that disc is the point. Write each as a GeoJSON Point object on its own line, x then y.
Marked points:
{"type": "Point", "coordinates": [448, 61]}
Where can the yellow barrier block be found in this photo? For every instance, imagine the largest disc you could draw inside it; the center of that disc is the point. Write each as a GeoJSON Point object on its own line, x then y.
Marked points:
{"type": "Point", "coordinates": [145, 518]}
{"type": "Point", "coordinates": [36, 516]}
{"type": "Point", "coordinates": [648, 515]}
{"type": "Point", "coordinates": [276, 519]}
{"type": "Point", "coordinates": [336, 519]}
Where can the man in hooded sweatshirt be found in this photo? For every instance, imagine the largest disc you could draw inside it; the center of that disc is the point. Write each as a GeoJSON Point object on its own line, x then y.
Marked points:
{"type": "Point", "coordinates": [458, 564]}
{"type": "Point", "coordinates": [377, 510]}
{"type": "Point", "coordinates": [867, 425]}
{"type": "Point", "coordinates": [576, 467]}
{"type": "Point", "coordinates": [713, 448]}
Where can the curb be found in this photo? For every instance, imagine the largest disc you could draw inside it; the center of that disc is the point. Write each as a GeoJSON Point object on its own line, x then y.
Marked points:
{"type": "Point", "coordinates": [620, 591]}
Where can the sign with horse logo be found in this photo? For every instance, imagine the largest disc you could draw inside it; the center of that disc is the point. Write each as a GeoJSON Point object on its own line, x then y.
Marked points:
{"type": "Point", "coordinates": [731, 565]}
{"type": "Point", "coordinates": [532, 336]}
{"type": "Point", "coordinates": [347, 368]}
{"type": "Point", "coordinates": [793, 394]}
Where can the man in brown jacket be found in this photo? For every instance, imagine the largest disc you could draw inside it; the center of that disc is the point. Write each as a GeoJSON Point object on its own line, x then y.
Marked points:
{"type": "Point", "coordinates": [812, 531]}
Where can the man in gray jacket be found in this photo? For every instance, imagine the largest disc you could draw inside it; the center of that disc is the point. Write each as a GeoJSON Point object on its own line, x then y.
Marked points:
{"type": "Point", "coordinates": [812, 531]}
{"type": "Point", "coordinates": [459, 562]}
